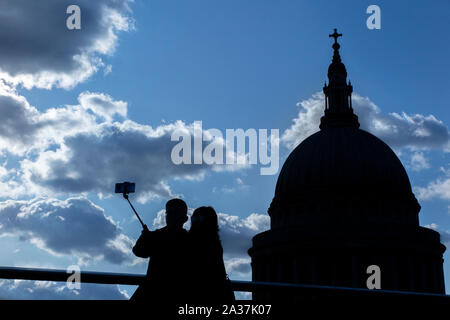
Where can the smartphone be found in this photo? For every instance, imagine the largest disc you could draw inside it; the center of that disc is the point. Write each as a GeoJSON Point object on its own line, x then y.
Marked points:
{"type": "Point", "coordinates": [125, 187]}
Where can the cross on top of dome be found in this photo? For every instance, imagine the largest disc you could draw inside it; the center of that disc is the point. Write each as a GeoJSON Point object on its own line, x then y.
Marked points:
{"type": "Point", "coordinates": [335, 35]}
{"type": "Point", "coordinates": [336, 45]}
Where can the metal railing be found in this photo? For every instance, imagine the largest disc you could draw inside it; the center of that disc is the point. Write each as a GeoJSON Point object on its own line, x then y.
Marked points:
{"type": "Point", "coordinates": [237, 285]}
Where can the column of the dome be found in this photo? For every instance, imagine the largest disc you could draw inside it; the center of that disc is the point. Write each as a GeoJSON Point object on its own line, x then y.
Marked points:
{"type": "Point", "coordinates": [441, 277]}
{"type": "Point", "coordinates": [313, 270]}
{"type": "Point", "coordinates": [411, 268]}
{"type": "Point", "coordinates": [334, 261]}
{"type": "Point", "coordinates": [442, 287]}
{"type": "Point", "coordinates": [424, 275]}
{"type": "Point", "coordinates": [433, 275]}
{"type": "Point", "coordinates": [354, 271]}
{"type": "Point", "coordinates": [394, 273]}
{"type": "Point", "coordinates": [279, 270]}
{"type": "Point", "coordinates": [295, 270]}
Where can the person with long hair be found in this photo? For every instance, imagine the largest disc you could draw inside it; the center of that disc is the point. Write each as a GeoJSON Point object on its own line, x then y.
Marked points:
{"type": "Point", "coordinates": [209, 278]}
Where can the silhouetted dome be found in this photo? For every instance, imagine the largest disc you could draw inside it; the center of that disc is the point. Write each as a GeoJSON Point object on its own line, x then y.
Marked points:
{"type": "Point", "coordinates": [343, 201]}
{"type": "Point", "coordinates": [346, 158]}
{"type": "Point", "coordinates": [343, 175]}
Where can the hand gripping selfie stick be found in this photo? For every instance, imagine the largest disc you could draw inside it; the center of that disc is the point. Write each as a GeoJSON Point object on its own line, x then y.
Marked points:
{"type": "Point", "coordinates": [125, 188]}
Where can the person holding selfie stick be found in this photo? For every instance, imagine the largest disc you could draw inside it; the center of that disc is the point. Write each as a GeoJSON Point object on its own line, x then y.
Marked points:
{"type": "Point", "coordinates": [167, 249]}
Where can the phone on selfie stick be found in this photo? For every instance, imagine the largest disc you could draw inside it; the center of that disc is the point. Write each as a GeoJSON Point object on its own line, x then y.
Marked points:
{"type": "Point", "coordinates": [125, 188]}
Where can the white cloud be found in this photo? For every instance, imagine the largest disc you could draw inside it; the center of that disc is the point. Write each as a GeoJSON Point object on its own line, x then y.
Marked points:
{"type": "Point", "coordinates": [435, 189]}
{"type": "Point", "coordinates": [418, 161]}
{"type": "Point", "coordinates": [440, 188]}
{"type": "Point", "coordinates": [433, 226]}
{"type": "Point", "coordinates": [81, 148]}
{"type": "Point", "coordinates": [113, 152]}
{"type": "Point", "coordinates": [103, 105]}
{"type": "Point", "coordinates": [39, 51]}
{"type": "Point", "coordinates": [239, 266]}
{"type": "Point", "coordinates": [24, 129]}
{"type": "Point", "coordinates": [398, 130]}
{"type": "Point", "coordinates": [49, 290]}
{"type": "Point", "coordinates": [307, 121]}
{"type": "Point", "coordinates": [75, 227]}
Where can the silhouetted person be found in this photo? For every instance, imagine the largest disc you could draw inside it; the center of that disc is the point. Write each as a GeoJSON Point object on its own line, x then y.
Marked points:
{"type": "Point", "coordinates": [208, 274]}
{"type": "Point", "coordinates": [167, 249]}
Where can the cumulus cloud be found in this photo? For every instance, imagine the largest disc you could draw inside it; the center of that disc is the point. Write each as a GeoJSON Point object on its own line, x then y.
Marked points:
{"type": "Point", "coordinates": [103, 105]}
{"type": "Point", "coordinates": [24, 129]}
{"type": "Point", "coordinates": [74, 226]}
{"type": "Point", "coordinates": [398, 130]}
{"type": "Point", "coordinates": [127, 151]}
{"type": "Point", "coordinates": [440, 188]}
{"type": "Point", "coordinates": [82, 148]}
{"type": "Point", "coordinates": [19, 122]}
{"type": "Point", "coordinates": [40, 51]}
{"type": "Point", "coordinates": [418, 162]}
{"type": "Point", "coordinates": [49, 290]}
{"type": "Point", "coordinates": [306, 123]}
{"type": "Point", "coordinates": [240, 266]}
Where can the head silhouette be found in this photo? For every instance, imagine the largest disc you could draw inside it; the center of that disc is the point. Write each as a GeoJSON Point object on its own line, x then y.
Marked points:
{"type": "Point", "coordinates": [204, 219]}
{"type": "Point", "coordinates": [176, 213]}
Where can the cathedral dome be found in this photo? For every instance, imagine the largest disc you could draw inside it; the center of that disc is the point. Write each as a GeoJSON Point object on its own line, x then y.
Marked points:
{"type": "Point", "coordinates": [343, 176]}
{"type": "Point", "coordinates": [343, 202]}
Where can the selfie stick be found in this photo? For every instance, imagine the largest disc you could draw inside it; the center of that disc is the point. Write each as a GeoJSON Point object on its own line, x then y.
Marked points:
{"type": "Point", "coordinates": [144, 226]}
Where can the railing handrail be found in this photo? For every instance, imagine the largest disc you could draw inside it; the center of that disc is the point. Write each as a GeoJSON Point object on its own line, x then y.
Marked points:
{"type": "Point", "coordinates": [40, 274]}
{"type": "Point", "coordinates": [62, 275]}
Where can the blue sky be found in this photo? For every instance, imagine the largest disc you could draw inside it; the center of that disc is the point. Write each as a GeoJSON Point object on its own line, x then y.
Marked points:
{"type": "Point", "coordinates": [231, 64]}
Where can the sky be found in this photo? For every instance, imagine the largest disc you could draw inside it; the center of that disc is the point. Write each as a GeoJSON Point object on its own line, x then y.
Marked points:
{"type": "Point", "coordinates": [82, 109]}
